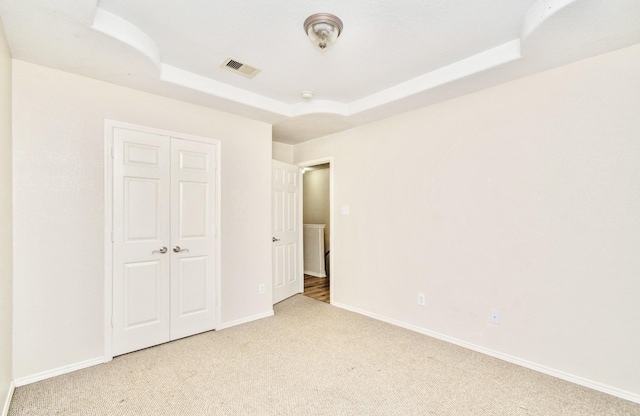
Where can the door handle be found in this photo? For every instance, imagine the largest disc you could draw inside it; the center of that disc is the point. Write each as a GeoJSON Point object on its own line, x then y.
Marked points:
{"type": "Point", "coordinates": [161, 251]}
{"type": "Point", "coordinates": [177, 249]}
{"type": "Point", "coordinates": [273, 239]}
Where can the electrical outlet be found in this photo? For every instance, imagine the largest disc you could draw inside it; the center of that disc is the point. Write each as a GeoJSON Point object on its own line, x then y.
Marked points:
{"type": "Point", "coordinates": [421, 299]}
{"type": "Point", "coordinates": [494, 316]}
{"type": "Point", "coordinates": [261, 288]}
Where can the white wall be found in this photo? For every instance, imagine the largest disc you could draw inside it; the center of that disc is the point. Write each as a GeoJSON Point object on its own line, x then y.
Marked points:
{"type": "Point", "coordinates": [6, 241]}
{"type": "Point", "coordinates": [282, 152]}
{"type": "Point", "coordinates": [59, 209]}
{"type": "Point", "coordinates": [524, 197]}
{"type": "Point", "coordinates": [316, 200]}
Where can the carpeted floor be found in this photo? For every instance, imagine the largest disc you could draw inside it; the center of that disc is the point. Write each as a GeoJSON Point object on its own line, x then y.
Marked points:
{"type": "Point", "coordinates": [311, 359]}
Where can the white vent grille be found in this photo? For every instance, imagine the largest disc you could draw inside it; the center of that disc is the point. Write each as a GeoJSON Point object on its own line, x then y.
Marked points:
{"type": "Point", "coordinates": [240, 68]}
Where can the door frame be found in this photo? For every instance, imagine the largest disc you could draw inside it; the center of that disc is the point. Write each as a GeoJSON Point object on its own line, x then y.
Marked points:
{"type": "Point", "coordinates": [322, 161]}
{"type": "Point", "coordinates": [109, 126]}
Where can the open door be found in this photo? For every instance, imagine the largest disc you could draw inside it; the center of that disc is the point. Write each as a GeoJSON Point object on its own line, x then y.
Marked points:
{"type": "Point", "coordinates": [286, 225]}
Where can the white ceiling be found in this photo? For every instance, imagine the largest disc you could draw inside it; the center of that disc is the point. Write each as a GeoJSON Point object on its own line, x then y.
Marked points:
{"type": "Point", "coordinates": [392, 56]}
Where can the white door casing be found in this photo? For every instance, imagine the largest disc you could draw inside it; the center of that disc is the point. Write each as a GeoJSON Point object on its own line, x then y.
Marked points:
{"type": "Point", "coordinates": [164, 251]}
{"type": "Point", "coordinates": [286, 224]}
{"type": "Point", "coordinates": [334, 252]}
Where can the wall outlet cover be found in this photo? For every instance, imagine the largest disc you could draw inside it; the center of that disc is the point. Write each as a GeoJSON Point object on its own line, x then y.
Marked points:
{"type": "Point", "coordinates": [421, 299]}
{"type": "Point", "coordinates": [494, 316]}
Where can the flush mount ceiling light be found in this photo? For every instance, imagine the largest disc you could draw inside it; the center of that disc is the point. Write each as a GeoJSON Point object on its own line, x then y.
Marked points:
{"type": "Point", "coordinates": [323, 29]}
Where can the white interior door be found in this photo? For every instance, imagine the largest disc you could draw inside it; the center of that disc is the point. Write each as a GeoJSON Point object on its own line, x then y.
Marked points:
{"type": "Point", "coordinates": [286, 225]}
{"type": "Point", "coordinates": [141, 234]}
{"type": "Point", "coordinates": [164, 238]}
{"type": "Point", "coordinates": [193, 237]}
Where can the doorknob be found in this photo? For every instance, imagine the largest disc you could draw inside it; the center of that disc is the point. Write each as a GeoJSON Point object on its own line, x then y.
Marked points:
{"type": "Point", "coordinates": [177, 249]}
{"type": "Point", "coordinates": [273, 239]}
{"type": "Point", "coordinates": [161, 251]}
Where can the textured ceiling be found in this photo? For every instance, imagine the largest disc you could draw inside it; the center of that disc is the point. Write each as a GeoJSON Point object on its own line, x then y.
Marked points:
{"type": "Point", "coordinates": [392, 56]}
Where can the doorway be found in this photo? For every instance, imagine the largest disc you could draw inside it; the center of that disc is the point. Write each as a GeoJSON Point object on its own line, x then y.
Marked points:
{"type": "Point", "coordinates": [317, 219]}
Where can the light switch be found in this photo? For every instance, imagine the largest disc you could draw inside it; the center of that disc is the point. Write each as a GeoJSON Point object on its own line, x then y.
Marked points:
{"type": "Point", "coordinates": [344, 210]}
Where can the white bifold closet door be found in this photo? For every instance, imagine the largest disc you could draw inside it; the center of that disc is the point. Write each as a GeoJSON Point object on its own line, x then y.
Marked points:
{"type": "Point", "coordinates": [164, 238]}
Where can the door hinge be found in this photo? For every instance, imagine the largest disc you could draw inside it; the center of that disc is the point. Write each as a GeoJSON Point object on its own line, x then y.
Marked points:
{"type": "Point", "coordinates": [112, 236]}
{"type": "Point", "coordinates": [111, 321]}
{"type": "Point", "coordinates": [111, 150]}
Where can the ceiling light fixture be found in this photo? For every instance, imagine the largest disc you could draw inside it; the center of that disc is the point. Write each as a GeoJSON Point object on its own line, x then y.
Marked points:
{"type": "Point", "coordinates": [323, 29]}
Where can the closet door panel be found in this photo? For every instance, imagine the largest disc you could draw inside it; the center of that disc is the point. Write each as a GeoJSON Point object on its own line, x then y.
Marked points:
{"type": "Point", "coordinates": [141, 215]}
{"type": "Point", "coordinates": [193, 234]}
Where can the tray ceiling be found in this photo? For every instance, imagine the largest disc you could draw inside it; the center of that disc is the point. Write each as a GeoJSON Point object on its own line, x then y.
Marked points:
{"type": "Point", "coordinates": [391, 57]}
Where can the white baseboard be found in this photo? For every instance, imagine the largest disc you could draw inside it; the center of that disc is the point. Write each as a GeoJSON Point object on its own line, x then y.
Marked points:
{"type": "Point", "coordinates": [623, 394]}
{"type": "Point", "coordinates": [7, 400]}
{"type": "Point", "coordinates": [23, 381]}
{"type": "Point", "coordinates": [245, 320]}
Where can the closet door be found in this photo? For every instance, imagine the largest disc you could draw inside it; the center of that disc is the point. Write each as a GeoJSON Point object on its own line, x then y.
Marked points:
{"type": "Point", "coordinates": [193, 237]}
{"type": "Point", "coordinates": [141, 240]}
{"type": "Point", "coordinates": [164, 238]}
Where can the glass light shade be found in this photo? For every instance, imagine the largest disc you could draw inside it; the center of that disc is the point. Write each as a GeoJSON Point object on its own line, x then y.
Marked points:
{"type": "Point", "coordinates": [323, 29]}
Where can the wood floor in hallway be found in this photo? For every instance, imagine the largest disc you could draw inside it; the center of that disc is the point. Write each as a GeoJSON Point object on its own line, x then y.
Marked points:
{"type": "Point", "coordinates": [317, 288]}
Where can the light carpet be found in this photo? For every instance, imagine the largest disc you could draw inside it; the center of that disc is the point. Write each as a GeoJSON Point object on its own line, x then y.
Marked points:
{"type": "Point", "coordinates": [311, 359]}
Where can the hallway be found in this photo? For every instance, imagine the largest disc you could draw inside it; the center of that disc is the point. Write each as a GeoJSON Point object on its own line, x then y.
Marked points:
{"type": "Point", "coordinates": [317, 288]}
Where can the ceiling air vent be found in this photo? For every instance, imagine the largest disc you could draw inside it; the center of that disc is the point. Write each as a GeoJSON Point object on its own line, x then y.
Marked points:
{"type": "Point", "coordinates": [240, 68]}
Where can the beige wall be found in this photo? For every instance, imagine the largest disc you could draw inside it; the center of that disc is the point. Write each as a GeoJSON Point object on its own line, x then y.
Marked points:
{"type": "Point", "coordinates": [524, 198]}
{"type": "Point", "coordinates": [6, 241]}
{"type": "Point", "coordinates": [316, 200]}
{"type": "Point", "coordinates": [59, 209]}
{"type": "Point", "coordinates": [282, 152]}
